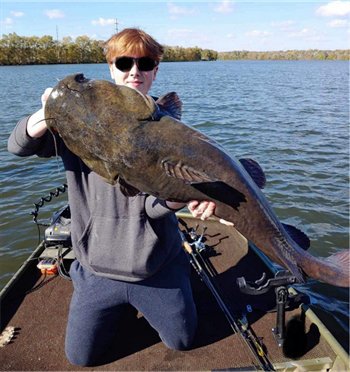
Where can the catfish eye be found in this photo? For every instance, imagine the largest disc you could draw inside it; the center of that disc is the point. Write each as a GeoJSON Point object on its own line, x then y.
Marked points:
{"type": "Point", "coordinates": [80, 78]}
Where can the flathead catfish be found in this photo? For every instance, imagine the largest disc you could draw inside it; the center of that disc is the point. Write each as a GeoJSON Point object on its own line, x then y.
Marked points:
{"type": "Point", "coordinates": [129, 139]}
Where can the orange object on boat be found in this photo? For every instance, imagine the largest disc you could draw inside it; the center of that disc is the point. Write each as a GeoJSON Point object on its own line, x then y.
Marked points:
{"type": "Point", "coordinates": [48, 266]}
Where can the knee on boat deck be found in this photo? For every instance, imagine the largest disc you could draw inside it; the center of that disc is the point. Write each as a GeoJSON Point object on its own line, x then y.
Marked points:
{"type": "Point", "coordinates": [183, 341]}
{"type": "Point", "coordinates": [80, 359]}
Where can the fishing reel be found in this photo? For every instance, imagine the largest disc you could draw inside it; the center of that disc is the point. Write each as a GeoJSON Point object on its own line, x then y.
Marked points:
{"type": "Point", "coordinates": [195, 240]}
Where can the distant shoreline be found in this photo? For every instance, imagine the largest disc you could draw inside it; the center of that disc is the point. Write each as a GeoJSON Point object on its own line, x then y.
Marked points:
{"type": "Point", "coordinates": [219, 59]}
{"type": "Point", "coordinates": [21, 50]}
{"type": "Point", "coordinates": [288, 55]}
{"type": "Point", "coordinates": [338, 55]}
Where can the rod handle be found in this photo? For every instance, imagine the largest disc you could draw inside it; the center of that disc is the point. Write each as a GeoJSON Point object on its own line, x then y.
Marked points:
{"type": "Point", "coordinates": [187, 247]}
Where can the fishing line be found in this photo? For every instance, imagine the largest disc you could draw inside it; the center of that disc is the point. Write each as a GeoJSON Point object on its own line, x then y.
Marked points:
{"type": "Point", "coordinates": [56, 148]}
{"type": "Point", "coordinates": [54, 140]}
{"type": "Point", "coordinates": [39, 122]}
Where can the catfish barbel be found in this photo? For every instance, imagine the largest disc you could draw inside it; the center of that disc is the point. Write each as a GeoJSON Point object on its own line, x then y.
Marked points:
{"type": "Point", "coordinates": [129, 139]}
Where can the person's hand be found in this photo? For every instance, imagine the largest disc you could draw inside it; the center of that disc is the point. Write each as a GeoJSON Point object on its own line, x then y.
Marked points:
{"type": "Point", "coordinates": [45, 96]}
{"type": "Point", "coordinates": [204, 210]}
{"type": "Point", "coordinates": [36, 126]}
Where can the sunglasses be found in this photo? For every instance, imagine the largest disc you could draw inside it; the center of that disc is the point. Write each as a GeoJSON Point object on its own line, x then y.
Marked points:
{"type": "Point", "coordinates": [125, 64]}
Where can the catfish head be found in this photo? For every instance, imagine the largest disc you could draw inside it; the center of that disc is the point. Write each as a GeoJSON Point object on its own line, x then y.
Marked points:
{"type": "Point", "coordinates": [96, 119]}
{"type": "Point", "coordinates": [77, 105]}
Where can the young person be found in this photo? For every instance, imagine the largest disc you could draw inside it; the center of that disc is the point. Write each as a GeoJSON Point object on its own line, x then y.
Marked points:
{"type": "Point", "coordinates": [128, 249]}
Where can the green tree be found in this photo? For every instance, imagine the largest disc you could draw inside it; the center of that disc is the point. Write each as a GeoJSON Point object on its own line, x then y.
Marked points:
{"type": "Point", "coordinates": [47, 50]}
{"type": "Point", "coordinates": [83, 48]}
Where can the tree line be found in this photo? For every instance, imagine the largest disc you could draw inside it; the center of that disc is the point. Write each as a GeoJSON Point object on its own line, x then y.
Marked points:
{"type": "Point", "coordinates": [22, 50]}
{"type": "Point", "coordinates": [34, 50]}
{"type": "Point", "coordinates": [180, 54]}
{"type": "Point", "coordinates": [311, 54]}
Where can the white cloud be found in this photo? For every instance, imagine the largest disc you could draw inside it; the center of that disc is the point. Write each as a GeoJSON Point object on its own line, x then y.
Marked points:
{"type": "Point", "coordinates": [310, 34]}
{"type": "Point", "coordinates": [8, 23]}
{"type": "Point", "coordinates": [230, 36]}
{"type": "Point", "coordinates": [103, 22]}
{"type": "Point", "coordinates": [180, 33]}
{"type": "Point", "coordinates": [283, 25]}
{"type": "Point", "coordinates": [17, 14]}
{"type": "Point", "coordinates": [54, 13]}
{"type": "Point", "coordinates": [305, 32]}
{"type": "Point", "coordinates": [90, 36]}
{"type": "Point", "coordinates": [179, 10]}
{"type": "Point", "coordinates": [225, 7]}
{"type": "Point", "coordinates": [187, 37]}
{"type": "Point", "coordinates": [334, 9]}
{"type": "Point", "coordinates": [266, 41]}
{"type": "Point", "coordinates": [338, 23]}
{"type": "Point", "coordinates": [258, 33]}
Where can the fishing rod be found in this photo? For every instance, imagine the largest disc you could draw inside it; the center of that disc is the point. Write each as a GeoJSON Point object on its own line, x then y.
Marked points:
{"type": "Point", "coordinates": [201, 268]}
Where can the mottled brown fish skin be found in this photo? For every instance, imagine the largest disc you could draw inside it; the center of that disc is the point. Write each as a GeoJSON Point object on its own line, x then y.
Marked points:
{"type": "Point", "coordinates": [121, 135]}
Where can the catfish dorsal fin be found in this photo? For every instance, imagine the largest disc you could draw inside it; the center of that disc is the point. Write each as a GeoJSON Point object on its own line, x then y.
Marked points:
{"type": "Point", "coordinates": [298, 236]}
{"type": "Point", "coordinates": [255, 171]}
{"type": "Point", "coordinates": [170, 105]}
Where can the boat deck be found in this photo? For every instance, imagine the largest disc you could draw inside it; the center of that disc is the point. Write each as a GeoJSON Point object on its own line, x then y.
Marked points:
{"type": "Point", "coordinates": [40, 317]}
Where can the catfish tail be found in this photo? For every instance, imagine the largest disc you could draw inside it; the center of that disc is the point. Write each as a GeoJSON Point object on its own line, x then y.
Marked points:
{"type": "Point", "coordinates": [333, 270]}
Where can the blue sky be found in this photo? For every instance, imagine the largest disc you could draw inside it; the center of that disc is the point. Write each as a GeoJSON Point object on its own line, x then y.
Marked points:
{"type": "Point", "coordinates": [217, 25]}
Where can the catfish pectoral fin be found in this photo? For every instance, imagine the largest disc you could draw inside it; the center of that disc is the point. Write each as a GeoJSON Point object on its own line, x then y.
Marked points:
{"type": "Point", "coordinates": [126, 189]}
{"type": "Point", "coordinates": [103, 169]}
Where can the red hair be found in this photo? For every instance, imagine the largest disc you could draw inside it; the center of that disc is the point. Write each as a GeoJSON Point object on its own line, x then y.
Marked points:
{"type": "Point", "coordinates": [132, 41]}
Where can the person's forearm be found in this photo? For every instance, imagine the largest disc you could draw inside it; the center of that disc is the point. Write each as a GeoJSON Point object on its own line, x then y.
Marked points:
{"type": "Point", "coordinates": [175, 205]}
{"type": "Point", "coordinates": [36, 126]}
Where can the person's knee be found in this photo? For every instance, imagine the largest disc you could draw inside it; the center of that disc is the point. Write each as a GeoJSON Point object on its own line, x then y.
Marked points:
{"type": "Point", "coordinates": [181, 344]}
{"type": "Point", "coordinates": [79, 359]}
{"type": "Point", "coordinates": [181, 340]}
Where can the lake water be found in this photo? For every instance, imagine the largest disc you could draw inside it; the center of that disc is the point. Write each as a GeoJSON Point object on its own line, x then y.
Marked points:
{"type": "Point", "coordinates": [290, 116]}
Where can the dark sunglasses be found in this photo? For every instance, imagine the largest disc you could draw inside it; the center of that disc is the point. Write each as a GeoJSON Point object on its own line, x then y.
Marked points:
{"type": "Point", "coordinates": [125, 64]}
